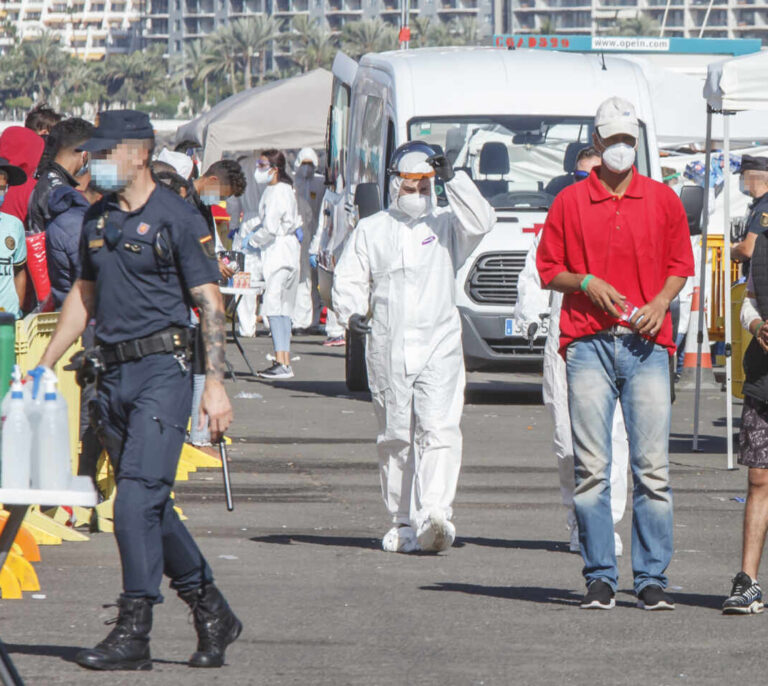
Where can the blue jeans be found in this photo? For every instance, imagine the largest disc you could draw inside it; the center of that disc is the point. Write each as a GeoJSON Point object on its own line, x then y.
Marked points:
{"type": "Point", "coordinates": [280, 326]}
{"type": "Point", "coordinates": [602, 369]}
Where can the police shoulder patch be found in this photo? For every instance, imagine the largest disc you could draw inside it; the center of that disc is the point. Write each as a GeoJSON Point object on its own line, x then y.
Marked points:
{"type": "Point", "coordinates": [764, 219]}
{"type": "Point", "coordinates": [10, 242]}
{"type": "Point", "coordinates": [208, 246]}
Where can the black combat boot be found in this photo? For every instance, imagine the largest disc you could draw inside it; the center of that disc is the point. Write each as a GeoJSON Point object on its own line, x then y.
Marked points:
{"type": "Point", "coordinates": [127, 645]}
{"type": "Point", "coordinates": [215, 623]}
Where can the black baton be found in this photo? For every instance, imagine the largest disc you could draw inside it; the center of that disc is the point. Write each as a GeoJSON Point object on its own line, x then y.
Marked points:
{"type": "Point", "coordinates": [225, 473]}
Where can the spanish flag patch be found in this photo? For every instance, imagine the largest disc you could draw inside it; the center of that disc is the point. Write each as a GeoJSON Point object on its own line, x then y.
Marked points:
{"type": "Point", "coordinates": [208, 246]}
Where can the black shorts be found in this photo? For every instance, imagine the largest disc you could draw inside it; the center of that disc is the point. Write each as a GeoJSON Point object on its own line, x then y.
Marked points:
{"type": "Point", "coordinates": [753, 437]}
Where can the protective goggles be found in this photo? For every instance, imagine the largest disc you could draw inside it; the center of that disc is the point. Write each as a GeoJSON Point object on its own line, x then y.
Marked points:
{"type": "Point", "coordinates": [415, 176]}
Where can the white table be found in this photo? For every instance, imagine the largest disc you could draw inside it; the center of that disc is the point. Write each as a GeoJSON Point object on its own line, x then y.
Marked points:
{"type": "Point", "coordinates": [238, 294]}
{"type": "Point", "coordinates": [17, 501]}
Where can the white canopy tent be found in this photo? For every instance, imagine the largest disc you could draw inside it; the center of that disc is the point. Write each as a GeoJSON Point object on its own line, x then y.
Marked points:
{"type": "Point", "coordinates": [678, 115]}
{"type": "Point", "coordinates": [286, 114]}
{"type": "Point", "coordinates": [732, 86]}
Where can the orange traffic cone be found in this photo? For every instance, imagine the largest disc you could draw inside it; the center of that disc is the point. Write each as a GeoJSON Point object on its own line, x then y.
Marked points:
{"type": "Point", "coordinates": [688, 375]}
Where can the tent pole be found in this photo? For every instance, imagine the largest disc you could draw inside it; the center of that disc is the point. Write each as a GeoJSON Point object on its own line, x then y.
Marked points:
{"type": "Point", "coordinates": [702, 279]}
{"type": "Point", "coordinates": [726, 280]}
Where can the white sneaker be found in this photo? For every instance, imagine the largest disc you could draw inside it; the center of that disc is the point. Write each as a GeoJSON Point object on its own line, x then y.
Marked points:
{"type": "Point", "coordinates": [436, 533]}
{"type": "Point", "coordinates": [400, 539]}
{"type": "Point", "coordinates": [276, 371]}
{"type": "Point", "coordinates": [573, 545]}
{"type": "Point", "coordinates": [617, 544]}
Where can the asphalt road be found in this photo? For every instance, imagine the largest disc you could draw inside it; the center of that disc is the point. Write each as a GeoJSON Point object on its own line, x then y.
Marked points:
{"type": "Point", "coordinates": [299, 559]}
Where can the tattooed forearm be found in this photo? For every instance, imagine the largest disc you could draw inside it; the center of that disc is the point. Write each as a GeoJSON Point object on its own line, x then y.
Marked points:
{"type": "Point", "coordinates": [212, 321]}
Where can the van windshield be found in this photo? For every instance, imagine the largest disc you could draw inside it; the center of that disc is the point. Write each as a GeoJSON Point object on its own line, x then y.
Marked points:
{"type": "Point", "coordinates": [517, 162]}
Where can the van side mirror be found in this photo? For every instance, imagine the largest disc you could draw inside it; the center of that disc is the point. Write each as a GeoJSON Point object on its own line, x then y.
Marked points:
{"type": "Point", "coordinates": [692, 198]}
{"type": "Point", "coordinates": [367, 199]}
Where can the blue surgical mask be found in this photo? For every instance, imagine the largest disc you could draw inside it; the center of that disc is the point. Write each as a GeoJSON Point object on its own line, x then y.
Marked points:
{"type": "Point", "coordinates": [106, 176]}
{"type": "Point", "coordinates": [209, 199]}
{"type": "Point", "coordinates": [2, 197]}
{"type": "Point", "coordinates": [743, 188]}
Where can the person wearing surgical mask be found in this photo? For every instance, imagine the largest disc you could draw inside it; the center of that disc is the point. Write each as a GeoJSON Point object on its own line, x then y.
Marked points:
{"type": "Point", "coordinates": [395, 284]}
{"type": "Point", "coordinates": [273, 233]}
{"type": "Point", "coordinates": [309, 186]}
{"type": "Point", "coordinates": [617, 246]}
{"type": "Point", "coordinates": [754, 183]}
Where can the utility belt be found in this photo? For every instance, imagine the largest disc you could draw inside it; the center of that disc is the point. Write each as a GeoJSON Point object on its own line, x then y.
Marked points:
{"type": "Point", "coordinates": [90, 363]}
{"type": "Point", "coordinates": [174, 339]}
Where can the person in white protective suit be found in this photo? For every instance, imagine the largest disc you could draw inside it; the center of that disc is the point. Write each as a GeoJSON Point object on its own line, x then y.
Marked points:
{"type": "Point", "coordinates": [336, 334]}
{"type": "Point", "coordinates": [400, 265]}
{"type": "Point", "coordinates": [273, 232]}
{"type": "Point", "coordinates": [242, 210]}
{"type": "Point", "coordinates": [532, 302]}
{"type": "Point", "coordinates": [310, 187]}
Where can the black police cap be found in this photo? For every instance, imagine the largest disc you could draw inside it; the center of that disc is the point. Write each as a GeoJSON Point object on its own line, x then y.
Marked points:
{"type": "Point", "coordinates": [115, 126]}
{"type": "Point", "coordinates": [15, 175]}
{"type": "Point", "coordinates": [752, 163]}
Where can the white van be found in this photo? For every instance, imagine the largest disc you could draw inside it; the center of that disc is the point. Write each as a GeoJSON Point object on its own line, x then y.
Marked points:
{"type": "Point", "coordinates": [514, 120]}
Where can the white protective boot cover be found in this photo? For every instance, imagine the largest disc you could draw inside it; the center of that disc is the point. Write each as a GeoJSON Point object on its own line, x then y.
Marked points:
{"type": "Point", "coordinates": [436, 533]}
{"type": "Point", "coordinates": [400, 539]}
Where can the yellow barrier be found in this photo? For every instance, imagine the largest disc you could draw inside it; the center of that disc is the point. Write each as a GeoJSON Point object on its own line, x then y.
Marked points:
{"type": "Point", "coordinates": [32, 336]}
{"type": "Point", "coordinates": [716, 302]}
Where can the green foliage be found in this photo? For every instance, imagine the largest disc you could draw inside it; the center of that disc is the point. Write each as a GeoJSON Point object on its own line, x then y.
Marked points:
{"type": "Point", "coordinates": [232, 58]}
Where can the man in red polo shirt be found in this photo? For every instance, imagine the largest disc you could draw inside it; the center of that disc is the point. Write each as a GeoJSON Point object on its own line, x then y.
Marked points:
{"type": "Point", "coordinates": [618, 247]}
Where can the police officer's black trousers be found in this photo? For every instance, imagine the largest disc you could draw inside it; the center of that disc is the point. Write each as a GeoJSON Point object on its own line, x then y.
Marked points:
{"type": "Point", "coordinates": [144, 406]}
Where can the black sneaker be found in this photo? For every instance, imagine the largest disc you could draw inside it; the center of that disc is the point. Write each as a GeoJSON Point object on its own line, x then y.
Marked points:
{"type": "Point", "coordinates": [600, 596]}
{"type": "Point", "coordinates": [652, 597]}
{"type": "Point", "coordinates": [746, 597]}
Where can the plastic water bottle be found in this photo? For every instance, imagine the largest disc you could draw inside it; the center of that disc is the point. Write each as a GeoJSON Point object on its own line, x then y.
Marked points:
{"type": "Point", "coordinates": [16, 440]}
{"type": "Point", "coordinates": [54, 471]}
{"type": "Point", "coordinates": [15, 378]}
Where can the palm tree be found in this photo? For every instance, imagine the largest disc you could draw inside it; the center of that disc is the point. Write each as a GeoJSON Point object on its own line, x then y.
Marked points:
{"type": "Point", "coordinates": [134, 77]}
{"type": "Point", "coordinates": [639, 25]}
{"type": "Point", "coordinates": [313, 45]}
{"type": "Point", "coordinates": [251, 36]}
{"type": "Point", "coordinates": [368, 35]}
{"type": "Point", "coordinates": [187, 67]}
{"type": "Point", "coordinates": [466, 31]}
{"type": "Point", "coordinates": [547, 26]}
{"type": "Point", "coordinates": [220, 55]}
{"type": "Point", "coordinates": [43, 61]}
{"type": "Point", "coordinates": [440, 35]}
{"type": "Point", "coordinates": [420, 27]}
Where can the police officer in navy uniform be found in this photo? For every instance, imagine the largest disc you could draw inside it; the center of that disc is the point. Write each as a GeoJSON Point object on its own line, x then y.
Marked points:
{"type": "Point", "coordinates": [753, 182]}
{"type": "Point", "coordinates": [146, 257]}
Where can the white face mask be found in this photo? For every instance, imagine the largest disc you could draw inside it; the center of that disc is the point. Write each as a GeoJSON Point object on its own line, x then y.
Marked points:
{"type": "Point", "coordinates": [619, 157]}
{"type": "Point", "coordinates": [263, 176]}
{"type": "Point", "coordinates": [415, 205]}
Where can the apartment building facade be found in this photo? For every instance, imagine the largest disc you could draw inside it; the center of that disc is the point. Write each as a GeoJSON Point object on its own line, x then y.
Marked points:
{"type": "Point", "coordinates": [172, 23]}
{"type": "Point", "coordinates": [679, 18]}
{"type": "Point", "coordinates": [88, 28]}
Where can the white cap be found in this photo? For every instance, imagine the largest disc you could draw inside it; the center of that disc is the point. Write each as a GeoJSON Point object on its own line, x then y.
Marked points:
{"type": "Point", "coordinates": [616, 116]}
{"type": "Point", "coordinates": [306, 155]}
{"type": "Point", "coordinates": [178, 160]}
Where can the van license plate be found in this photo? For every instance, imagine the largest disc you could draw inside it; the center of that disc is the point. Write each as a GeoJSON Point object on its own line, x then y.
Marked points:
{"type": "Point", "coordinates": [509, 327]}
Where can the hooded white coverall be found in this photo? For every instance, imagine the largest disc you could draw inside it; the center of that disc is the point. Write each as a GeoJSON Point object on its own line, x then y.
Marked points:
{"type": "Point", "coordinates": [247, 205]}
{"type": "Point", "coordinates": [332, 327]}
{"type": "Point", "coordinates": [403, 271]}
{"type": "Point", "coordinates": [280, 249]}
{"type": "Point", "coordinates": [309, 196]}
{"type": "Point", "coordinates": [532, 301]}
